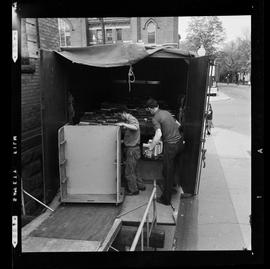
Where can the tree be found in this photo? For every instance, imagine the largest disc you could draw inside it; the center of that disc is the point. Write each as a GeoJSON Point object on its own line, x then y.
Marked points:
{"type": "Point", "coordinates": [207, 31]}
{"type": "Point", "coordinates": [244, 54]}
{"type": "Point", "coordinates": [235, 57]}
{"type": "Point", "coordinates": [229, 60]}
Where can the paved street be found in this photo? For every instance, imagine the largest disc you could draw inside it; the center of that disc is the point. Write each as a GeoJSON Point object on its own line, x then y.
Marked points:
{"type": "Point", "coordinates": [234, 113]}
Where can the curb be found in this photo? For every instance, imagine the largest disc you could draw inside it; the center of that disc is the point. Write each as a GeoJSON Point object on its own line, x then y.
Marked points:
{"type": "Point", "coordinates": [219, 97]}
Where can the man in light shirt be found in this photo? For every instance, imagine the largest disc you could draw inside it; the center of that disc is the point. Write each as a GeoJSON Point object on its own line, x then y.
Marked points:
{"type": "Point", "coordinates": [132, 151]}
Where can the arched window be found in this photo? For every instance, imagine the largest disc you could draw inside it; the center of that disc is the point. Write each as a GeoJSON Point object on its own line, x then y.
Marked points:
{"type": "Point", "coordinates": [64, 32]}
{"type": "Point", "coordinates": [151, 32]}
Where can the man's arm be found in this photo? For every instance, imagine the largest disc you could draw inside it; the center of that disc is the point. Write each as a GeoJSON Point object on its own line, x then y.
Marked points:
{"type": "Point", "coordinates": [128, 126]}
{"type": "Point", "coordinates": [156, 138]}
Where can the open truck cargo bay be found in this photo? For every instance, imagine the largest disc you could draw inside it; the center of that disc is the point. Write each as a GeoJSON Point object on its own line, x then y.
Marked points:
{"type": "Point", "coordinates": [98, 74]}
{"type": "Point", "coordinates": [176, 72]}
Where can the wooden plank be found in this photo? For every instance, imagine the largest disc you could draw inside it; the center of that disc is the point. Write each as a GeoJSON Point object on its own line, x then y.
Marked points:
{"type": "Point", "coordinates": [42, 244]}
{"type": "Point", "coordinates": [111, 235]}
{"type": "Point", "coordinates": [62, 169]}
{"type": "Point", "coordinates": [91, 153]}
{"type": "Point", "coordinates": [118, 166]}
{"type": "Point", "coordinates": [93, 198]}
{"type": "Point", "coordinates": [164, 213]}
{"type": "Point", "coordinates": [88, 181]}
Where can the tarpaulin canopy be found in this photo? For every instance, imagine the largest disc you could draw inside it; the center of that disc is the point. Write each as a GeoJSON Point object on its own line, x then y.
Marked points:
{"type": "Point", "coordinates": [113, 55]}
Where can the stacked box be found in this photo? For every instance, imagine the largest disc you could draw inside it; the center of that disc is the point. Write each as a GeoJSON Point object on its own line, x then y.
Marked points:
{"type": "Point", "coordinates": [155, 153]}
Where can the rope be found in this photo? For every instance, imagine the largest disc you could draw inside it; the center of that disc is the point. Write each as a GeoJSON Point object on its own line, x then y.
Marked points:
{"type": "Point", "coordinates": [131, 210]}
{"type": "Point", "coordinates": [114, 249]}
{"type": "Point", "coordinates": [37, 200]}
{"type": "Point", "coordinates": [131, 77]}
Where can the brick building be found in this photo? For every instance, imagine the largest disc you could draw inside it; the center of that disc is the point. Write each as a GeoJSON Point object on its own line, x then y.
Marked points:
{"type": "Point", "coordinates": [146, 30]}
{"type": "Point", "coordinates": [154, 30]}
{"type": "Point", "coordinates": [36, 34]}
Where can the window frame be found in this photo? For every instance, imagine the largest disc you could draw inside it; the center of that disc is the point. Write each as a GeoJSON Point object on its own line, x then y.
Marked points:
{"type": "Point", "coordinates": [153, 33]}
{"type": "Point", "coordinates": [119, 30]}
{"type": "Point", "coordinates": [65, 29]}
{"type": "Point", "coordinates": [107, 30]}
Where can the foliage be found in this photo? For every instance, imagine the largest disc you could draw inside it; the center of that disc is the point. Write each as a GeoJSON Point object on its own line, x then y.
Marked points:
{"type": "Point", "coordinates": [233, 58]}
{"type": "Point", "coordinates": [236, 57]}
{"type": "Point", "coordinates": [207, 31]}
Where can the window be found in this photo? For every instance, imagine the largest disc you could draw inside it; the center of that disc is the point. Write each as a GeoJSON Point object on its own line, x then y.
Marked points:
{"type": "Point", "coordinates": [151, 32]}
{"type": "Point", "coordinates": [119, 35]}
{"type": "Point", "coordinates": [28, 51]}
{"type": "Point", "coordinates": [64, 32]}
{"type": "Point", "coordinates": [109, 38]}
{"type": "Point", "coordinates": [99, 36]}
{"type": "Point", "coordinates": [92, 37]}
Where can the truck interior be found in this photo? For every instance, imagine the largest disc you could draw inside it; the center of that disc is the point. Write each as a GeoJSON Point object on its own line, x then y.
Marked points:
{"type": "Point", "coordinates": [164, 74]}
{"type": "Point", "coordinates": [102, 89]}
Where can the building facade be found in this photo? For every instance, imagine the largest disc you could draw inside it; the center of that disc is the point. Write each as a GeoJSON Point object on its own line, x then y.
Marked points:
{"type": "Point", "coordinates": [116, 30]}
{"type": "Point", "coordinates": [155, 30]}
{"type": "Point", "coordinates": [145, 30]}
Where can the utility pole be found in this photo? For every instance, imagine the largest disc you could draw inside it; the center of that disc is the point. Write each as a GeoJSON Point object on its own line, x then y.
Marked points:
{"type": "Point", "coordinates": [103, 29]}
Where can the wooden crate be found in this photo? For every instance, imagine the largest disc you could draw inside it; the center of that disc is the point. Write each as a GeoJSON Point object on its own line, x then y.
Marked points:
{"type": "Point", "coordinates": [90, 164]}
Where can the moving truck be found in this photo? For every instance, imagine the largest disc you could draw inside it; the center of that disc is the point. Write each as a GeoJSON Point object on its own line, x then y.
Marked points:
{"type": "Point", "coordinates": [82, 162]}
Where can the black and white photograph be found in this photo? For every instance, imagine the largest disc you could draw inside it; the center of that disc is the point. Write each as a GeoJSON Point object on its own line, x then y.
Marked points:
{"type": "Point", "coordinates": [136, 134]}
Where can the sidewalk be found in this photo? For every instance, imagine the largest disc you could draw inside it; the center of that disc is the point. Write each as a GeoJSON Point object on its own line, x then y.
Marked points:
{"type": "Point", "coordinates": [218, 217]}
{"type": "Point", "coordinates": [234, 150]}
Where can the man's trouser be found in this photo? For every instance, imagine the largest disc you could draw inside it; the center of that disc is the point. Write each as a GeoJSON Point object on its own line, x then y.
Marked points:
{"type": "Point", "coordinates": [170, 153]}
{"type": "Point", "coordinates": [132, 156]}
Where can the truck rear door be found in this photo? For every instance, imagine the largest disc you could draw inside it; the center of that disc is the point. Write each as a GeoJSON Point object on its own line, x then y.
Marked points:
{"type": "Point", "coordinates": [53, 116]}
{"type": "Point", "coordinates": [198, 71]}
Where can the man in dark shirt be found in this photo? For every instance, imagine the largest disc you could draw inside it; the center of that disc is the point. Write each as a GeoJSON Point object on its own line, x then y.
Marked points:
{"type": "Point", "coordinates": [167, 128]}
{"type": "Point", "coordinates": [132, 151]}
{"type": "Point", "coordinates": [209, 118]}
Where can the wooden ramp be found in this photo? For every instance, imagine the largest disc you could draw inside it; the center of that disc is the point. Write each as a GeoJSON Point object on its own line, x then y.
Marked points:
{"type": "Point", "coordinates": [73, 227]}
{"type": "Point", "coordinates": [89, 222]}
{"type": "Point", "coordinates": [91, 227]}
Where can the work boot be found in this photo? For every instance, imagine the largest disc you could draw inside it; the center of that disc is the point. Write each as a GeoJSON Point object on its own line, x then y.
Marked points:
{"type": "Point", "coordinates": [140, 184]}
{"type": "Point", "coordinates": [142, 188]}
{"type": "Point", "coordinates": [186, 195]}
{"type": "Point", "coordinates": [173, 191]}
{"type": "Point", "coordinates": [161, 200]}
{"type": "Point", "coordinates": [129, 193]}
